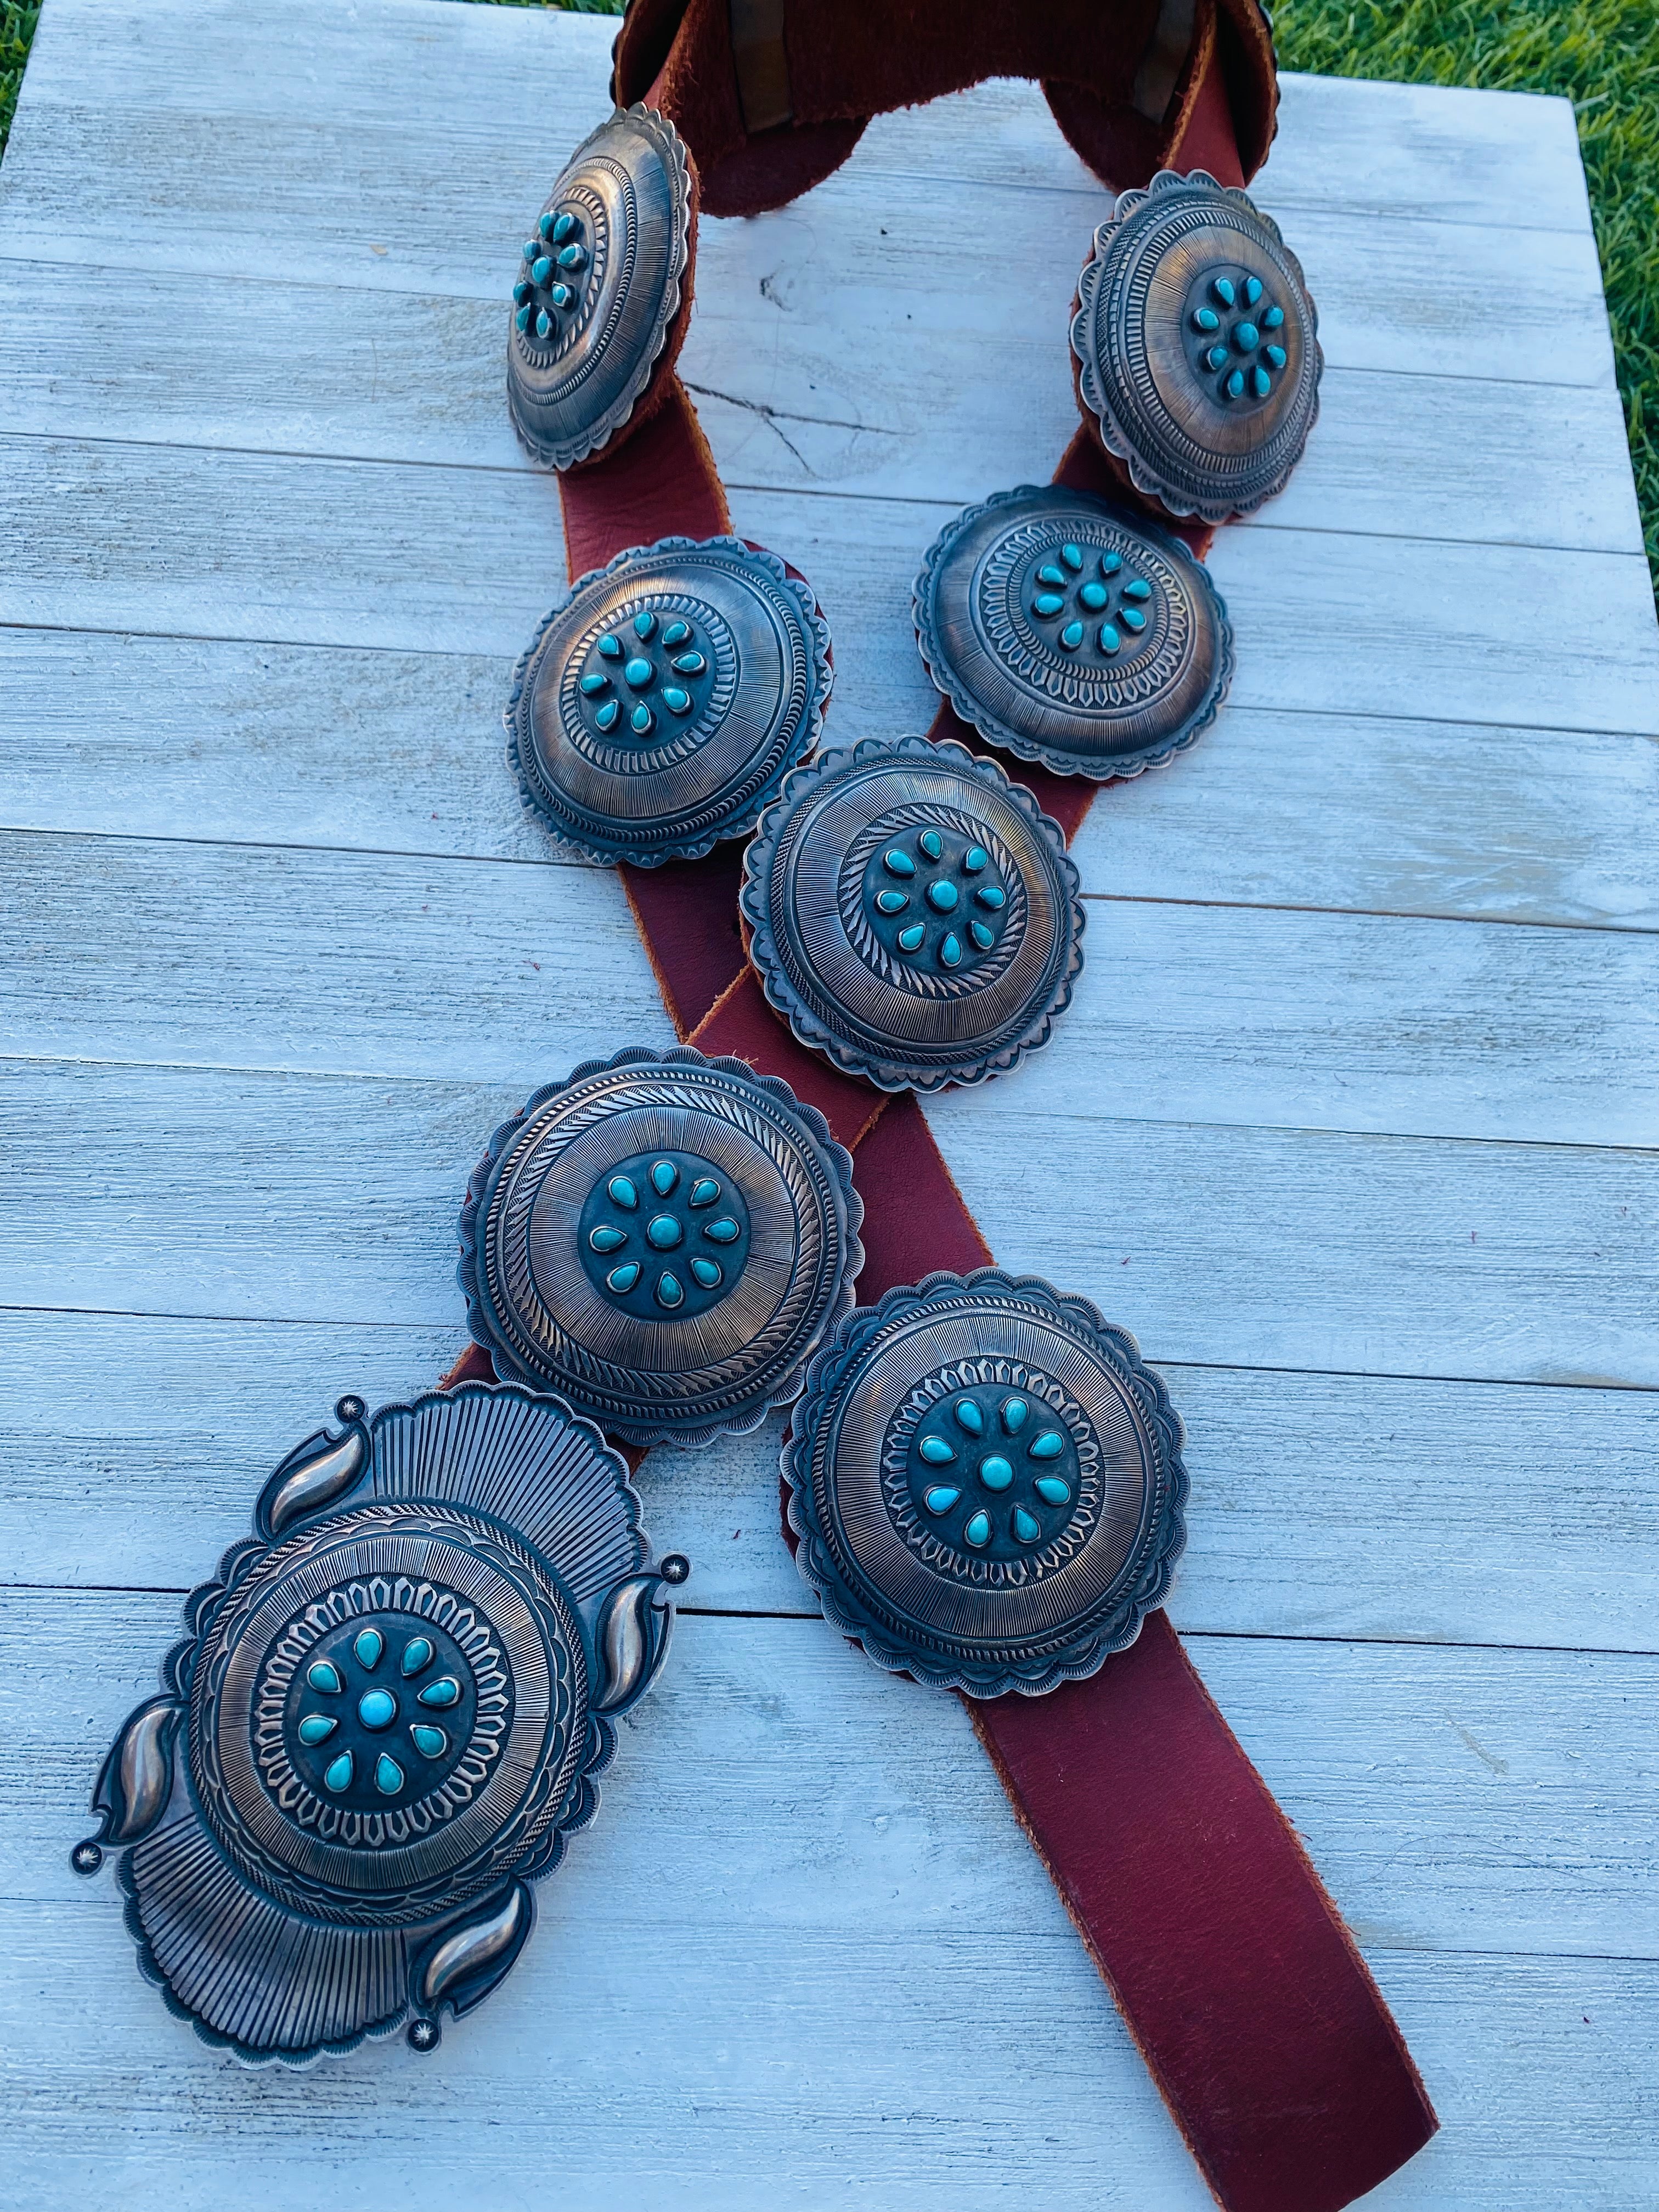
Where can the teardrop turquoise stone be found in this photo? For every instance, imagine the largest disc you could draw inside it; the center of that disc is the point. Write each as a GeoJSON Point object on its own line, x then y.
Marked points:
{"type": "Point", "coordinates": [590, 684]}
{"type": "Point", "coordinates": [991, 895]}
{"type": "Point", "coordinates": [369, 1647]}
{"type": "Point", "coordinates": [643, 720]}
{"type": "Point", "coordinates": [1026, 1530]}
{"type": "Point", "coordinates": [621, 1280]}
{"type": "Point", "coordinates": [442, 1693]}
{"type": "Point", "coordinates": [377, 1709]}
{"type": "Point", "coordinates": [622, 1193]}
{"type": "Point", "coordinates": [541, 269]}
{"type": "Point", "coordinates": [571, 257]}
{"type": "Point", "coordinates": [936, 1451]}
{"type": "Point", "coordinates": [985, 938]}
{"type": "Point", "coordinates": [1072, 636]}
{"type": "Point", "coordinates": [940, 1498]}
{"type": "Point", "coordinates": [943, 895]}
{"type": "Point", "coordinates": [388, 1775]}
{"type": "Point", "coordinates": [561, 228]}
{"type": "Point", "coordinates": [690, 664]}
{"type": "Point", "coordinates": [1052, 1491]}
{"type": "Point", "coordinates": [1252, 290]}
{"type": "Point", "coordinates": [974, 859]}
{"type": "Point", "coordinates": [1140, 589]}
{"type": "Point", "coordinates": [969, 1416]}
{"type": "Point", "coordinates": [1224, 291]}
{"type": "Point", "coordinates": [1047, 603]}
{"type": "Point", "coordinates": [1205, 319]}
{"type": "Point", "coordinates": [522, 319]}
{"type": "Point", "coordinates": [671, 1292]}
{"type": "Point", "coordinates": [1110, 638]}
{"type": "Point", "coordinates": [1072, 556]}
{"type": "Point", "coordinates": [708, 1272]}
{"type": "Point", "coordinates": [663, 1233]}
{"type": "Point", "coordinates": [664, 1176]}
{"type": "Point", "coordinates": [1275, 355]}
{"type": "Point", "coordinates": [1261, 383]}
{"type": "Point", "coordinates": [417, 1653]}
{"type": "Point", "coordinates": [562, 295]}
{"type": "Point", "coordinates": [909, 940]}
{"type": "Point", "coordinates": [978, 1530]}
{"type": "Point", "coordinates": [1014, 1414]}
{"type": "Point", "coordinates": [949, 951]}
{"type": "Point", "coordinates": [676, 633]}
{"type": "Point", "coordinates": [1110, 563]}
{"type": "Point", "coordinates": [995, 1471]}
{"type": "Point", "coordinates": [521, 294]}
{"type": "Point", "coordinates": [891, 902]}
{"type": "Point", "coordinates": [1272, 319]}
{"type": "Point", "coordinates": [931, 843]}
{"type": "Point", "coordinates": [898, 863]}
{"type": "Point", "coordinates": [606, 717]}
{"type": "Point", "coordinates": [610, 648]}
{"type": "Point", "coordinates": [1236, 384]}
{"type": "Point", "coordinates": [645, 625]}
{"type": "Point", "coordinates": [723, 1231]}
{"type": "Point", "coordinates": [430, 1742]}
{"type": "Point", "coordinates": [1217, 357]}
{"type": "Point", "coordinates": [336, 1775]}
{"type": "Point", "coordinates": [704, 1192]}
{"type": "Point", "coordinates": [1049, 1445]}
{"type": "Point", "coordinates": [608, 1240]}
{"type": "Point", "coordinates": [317, 1727]}
{"type": "Point", "coordinates": [676, 701]}
{"type": "Point", "coordinates": [1048, 574]}
{"type": "Point", "coordinates": [1132, 619]}
{"type": "Point", "coordinates": [324, 1675]}
{"type": "Point", "coordinates": [543, 324]}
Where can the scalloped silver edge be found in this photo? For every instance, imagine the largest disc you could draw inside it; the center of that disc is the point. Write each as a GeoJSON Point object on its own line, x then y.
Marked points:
{"type": "Point", "coordinates": [788, 1386]}
{"type": "Point", "coordinates": [835, 1357]}
{"type": "Point", "coordinates": [673, 152]}
{"type": "Point", "coordinates": [1144, 478]}
{"type": "Point", "coordinates": [738, 825]}
{"type": "Point", "coordinates": [1057, 760]}
{"type": "Point", "coordinates": [751, 899]}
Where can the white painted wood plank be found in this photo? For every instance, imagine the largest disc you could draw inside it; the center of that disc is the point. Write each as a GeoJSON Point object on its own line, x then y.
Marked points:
{"type": "Point", "coordinates": [1323, 1505]}
{"type": "Point", "coordinates": [291, 744]}
{"type": "Point", "coordinates": [152, 538]}
{"type": "Point", "coordinates": [253, 1195]}
{"type": "Point", "coordinates": [211, 955]}
{"type": "Point", "coordinates": [318, 369]}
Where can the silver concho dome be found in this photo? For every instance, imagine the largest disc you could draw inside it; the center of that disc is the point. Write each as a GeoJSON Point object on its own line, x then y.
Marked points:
{"type": "Point", "coordinates": [598, 288]}
{"type": "Point", "coordinates": [1197, 346]}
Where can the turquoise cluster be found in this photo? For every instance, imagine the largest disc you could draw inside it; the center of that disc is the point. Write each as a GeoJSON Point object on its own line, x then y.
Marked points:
{"type": "Point", "coordinates": [935, 898]}
{"type": "Point", "coordinates": [1237, 328]}
{"type": "Point", "coordinates": [548, 293]}
{"type": "Point", "coordinates": [674, 1232]}
{"type": "Point", "coordinates": [1097, 600]}
{"type": "Point", "coordinates": [995, 1471]}
{"type": "Point", "coordinates": [648, 659]}
{"type": "Point", "coordinates": [353, 1709]}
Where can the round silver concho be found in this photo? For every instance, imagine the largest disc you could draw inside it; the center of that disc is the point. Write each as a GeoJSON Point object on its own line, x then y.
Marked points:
{"type": "Point", "coordinates": [914, 915]}
{"type": "Point", "coordinates": [1197, 346]}
{"type": "Point", "coordinates": [659, 709]}
{"type": "Point", "coordinates": [1070, 633]}
{"type": "Point", "coordinates": [663, 1239]}
{"type": "Point", "coordinates": [598, 287]}
{"type": "Point", "coordinates": [987, 1483]}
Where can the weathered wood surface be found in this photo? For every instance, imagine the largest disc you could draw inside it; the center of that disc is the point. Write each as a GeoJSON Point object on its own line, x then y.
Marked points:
{"type": "Point", "coordinates": [1370, 1169]}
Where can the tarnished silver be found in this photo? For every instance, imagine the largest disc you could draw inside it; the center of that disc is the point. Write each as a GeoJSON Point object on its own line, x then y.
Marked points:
{"type": "Point", "coordinates": [1197, 345]}
{"type": "Point", "coordinates": [598, 287]}
{"type": "Point", "coordinates": [1070, 632]}
{"type": "Point", "coordinates": [390, 1708]}
{"type": "Point", "coordinates": [987, 1483]}
{"type": "Point", "coordinates": [914, 914]}
{"type": "Point", "coordinates": [663, 1239]}
{"type": "Point", "coordinates": [659, 708]}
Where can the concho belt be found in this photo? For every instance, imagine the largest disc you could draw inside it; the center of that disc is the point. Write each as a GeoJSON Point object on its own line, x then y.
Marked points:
{"type": "Point", "coordinates": [983, 1479]}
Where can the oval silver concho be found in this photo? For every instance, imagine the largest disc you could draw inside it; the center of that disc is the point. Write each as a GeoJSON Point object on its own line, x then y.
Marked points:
{"type": "Point", "coordinates": [1071, 633]}
{"type": "Point", "coordinates": [598, 285]}
{"type": "Point", "coordinates": [659, 709]}
{"type": "Point", "coordinates": [914, 915]}
{"type": "Point", "coordinates": [389, 1711]}
{"type": "Point", "coordinates": [1197, 346]}
{"type": "Point", "coordinates": [663, 1239]}
{"type": "Point", "coordinates": [987, 1483]}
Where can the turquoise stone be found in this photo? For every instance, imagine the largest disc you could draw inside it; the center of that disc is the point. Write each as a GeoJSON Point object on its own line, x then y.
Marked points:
{"type": "Point", "coordinates": [520, 293]}
{"type": "Point", "coordinates": [891, 902]}
{"type": "Point", "coordinates": [1252, 290]}
{"type": "Point", "coordinates": [974, 859]}
{"type": "Point", "coordinates": [909, 940]}
{"type": "Point", "coordinates": [690, 664]}
{"type": "Point", "coordinates": [562, 295]}
{"type": "Point", "coordinates": [610, 648]}
{"type": "Point", "coordinates": [1052, 1491]}
{"type": "Point", "coordinates": [942, 896]}
{"type": "Point", "coordinates": [984, 938]}
{"type": "Point", "coordinates": [671, 1292]}
{"type": "Point", "coordinates": [522, 319]}
{"type": "Point", "coordinates": [1261, 383]}
{"type": "Point", "coordinates": [708, 1272]}
{"type": "Point", "coordinates": [532, 248]}
{"type": "Point", "coordinates": [704, 1192]}
{"type": "Point", "coordinates": [621, 1280]}
{"type": "Point", "coordinates": [1094, 597]}
{"type": "Point", "coordinates": [1224, 291]}
{"type": "Point", "coordinates": [664, 1176]}
{"type": "Point", "coordinates": [1110, 563]}
{"type": "Point", "coordinates": [1275, 355]}
{"type": "Point", "coordinates": [1072, 556]}
{"type": "Point", "coordinates": [1048, 574]}
{"type": "Point", "coordinates": [562, 229]}
{"type": "Point", "coordinates": [1246, 337]}
{"type": "Point", "coordinates": [336, 1775]}
{"type": "Point", "coordinates": [430, 1742]}
{"type": "Point", "coordinates": [638, 673]}
{"type": "Point", "coordinates": [1236, 384]}
{"type": "Point", "coordinates": [417, 1653]}
{"type": "Point", "coordinates": [969, 1416]}
{"type": "Point", "coordinates": [663, 1232]}
{"type": "Point", "coordinates": [991, 895]}
{"type": "Point", "coordinates": [541, 271]}
{"type": "Point", "coordinates": [621, 1192]}
{"type": "Point", "coordinates": [571, 256]}
{"type": "Point", "coordinates": [1049, 1445]}
{"type": "Point", "coordinates": [642, 722]}
{"type": "Point", "coordinates": [995, 1471]}
{"type": "Point", "coordinates": [388, 1775]}
{"type": "Point", "coordinates": [1014, 1412]}
{"type": "Point", "coordinates": [645, 625]}
{"type": "Point", "coordinates": [950, 951]}
{"type": "Point", "coordinates": [544, 224]}
{"type": "Point", "coordinates": [676, 701]}
{"type": "Point", "coordinates": [598, 682]}
{"type": "Point", "coordinates": [1205, 319]}
{"type": "Point", "coordinates": [1132, 619]}
{"type": "Point", "coordinates": [1217, 357]}
{"type": "Point", "coordinates": [936, 1451]}
{"type": "Point", "coordinates": [1047, 603]}
{"type": "Point", "coordinates": [676, 633]}
{"type": "Point", "coordinates": [317, 1727]}
{"type": "Point", "coordinates": [1110, 638]}
{"type": "Point", "coordinates": [898, 863]}
{"type": "Point", "coordinates": [931, 843]}
{"type": "Point", "coordinates": [442, 1693]}
{"type": "Point", "coordinates": [608, 714]}
{"type": "Point", "coordinates": [544, 324]}
{"type": "Point", "coordinates": [978, 1530]}
{"type": "Point", "coordinates": [723, 1231]}
{"type": "Point", "coordinates": [1026, 1529]}
{"type": "Point", "coordinates": [940, 1498]}
{"type": "Point", "coordinates": [369, 1647]}
{"type": "Point", "coordinates": [1072, 636]}
{"type": "Point", "coordinates": [324, 1675]}
{"type": "Point", "coordinates": [606, 1239]}
{"type": "Point", "coordinates": [377, 1709]}
{"type": "Point", "coordinates": [1272, 319]}
{"type": "Point", "coordinates": [1139, 589]}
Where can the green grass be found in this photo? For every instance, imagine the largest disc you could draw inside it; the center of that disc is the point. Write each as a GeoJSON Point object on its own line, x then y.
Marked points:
{"type": "Point", "coordinates": [1603, 55]}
